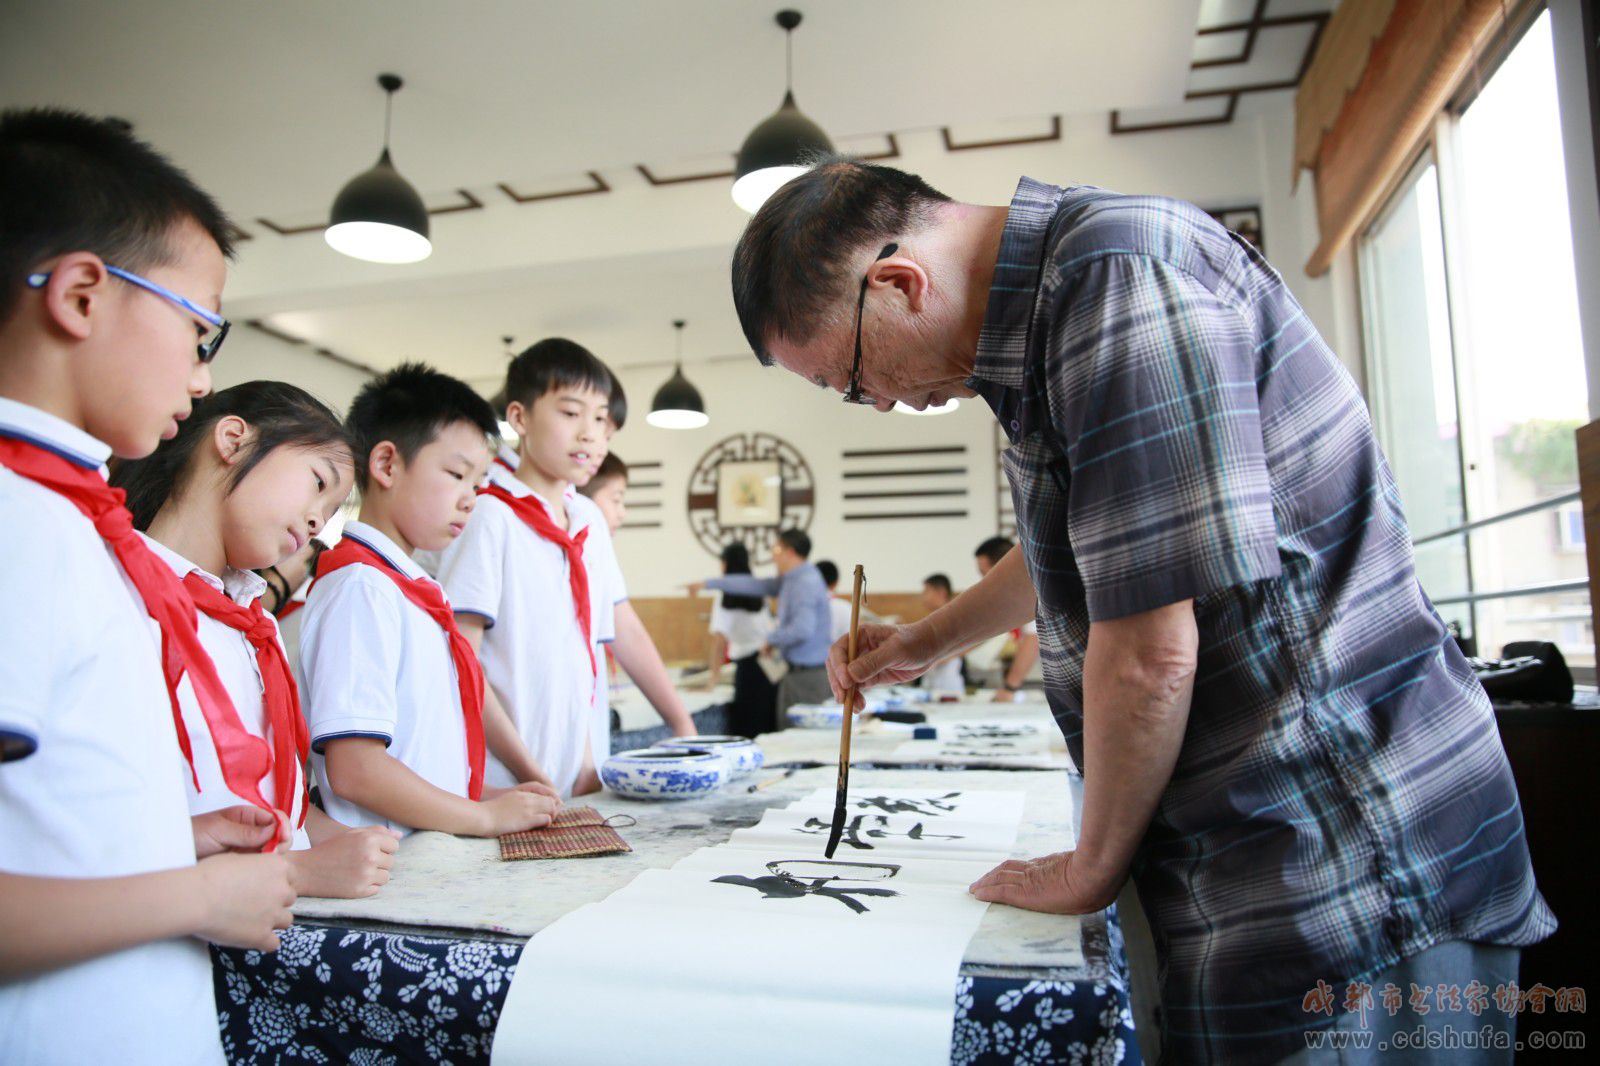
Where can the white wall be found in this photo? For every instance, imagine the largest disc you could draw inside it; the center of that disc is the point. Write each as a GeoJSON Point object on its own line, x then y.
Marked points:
{"type": "Point", "coordinates": [1247, 162]}
{"type": "Point", "coordinates": [746, 397]}
{"type": "Point", "coordinates": [250, 355]}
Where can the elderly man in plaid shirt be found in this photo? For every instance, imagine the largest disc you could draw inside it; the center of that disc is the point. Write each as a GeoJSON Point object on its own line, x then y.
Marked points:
{"type": "Point", "coordinates": [1280, 742]}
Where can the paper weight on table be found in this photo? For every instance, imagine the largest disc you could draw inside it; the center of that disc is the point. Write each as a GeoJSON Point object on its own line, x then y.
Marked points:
{"type": "Point", "coordinates": [665, 773]}
{"type": "Point", "coordinates": [743, 754]}
{"type": "Point", "coordinates": [575, 832]}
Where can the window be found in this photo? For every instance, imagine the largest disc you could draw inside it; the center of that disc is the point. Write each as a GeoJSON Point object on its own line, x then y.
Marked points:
{"type": "Point", "coordinates": [1476, 363]}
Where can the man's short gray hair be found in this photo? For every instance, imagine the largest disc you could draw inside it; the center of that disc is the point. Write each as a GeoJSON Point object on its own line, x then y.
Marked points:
{"type": "Point", "coordinates": [791, 265]}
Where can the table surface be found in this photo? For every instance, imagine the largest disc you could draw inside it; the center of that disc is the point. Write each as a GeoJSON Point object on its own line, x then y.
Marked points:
{"type": "Point", "coordinates": [411, 973]}
{"type": "Point", "coordinates": [441, 882]}
{"type": "Point", "coordinates": [877, 742]}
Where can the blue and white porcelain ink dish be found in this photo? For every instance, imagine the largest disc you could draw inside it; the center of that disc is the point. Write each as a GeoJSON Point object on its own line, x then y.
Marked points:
{"type": "Point", "coordinates": [816, 715]}
{"type": "Point", "coordinates": [665, 773]}
{"type": "Point", "coordinates": [744, 755]}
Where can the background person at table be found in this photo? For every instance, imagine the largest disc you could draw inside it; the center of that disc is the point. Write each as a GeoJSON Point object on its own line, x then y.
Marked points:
{"type": "Point", "coordinates": [102, 901]}
{"type": "Point", "coordinates": [839, 602]}
{"type": "Point", "coordinates": [253, 472]}
{"type": "Point", "coordinates": [944, 675]}
{"type": "Point", "coordinates": [838, 606]}
{"type": "Point", "coordinates": [804, 629]}
{"type": "Point", "coordinates": [740, 626]}
{"type": "Point", "coordinates": [1025, 638]}
{"type": "Point", "coordinates": [1278, 736]}
{"type": "Point", "coordinates": [401, 723]}
{"type": "Point", "coordinates": [608, 489]}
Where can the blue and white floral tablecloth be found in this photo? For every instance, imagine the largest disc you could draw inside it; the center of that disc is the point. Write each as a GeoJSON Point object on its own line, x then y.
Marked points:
{"type": "Point", "coordinates": [369, 997]}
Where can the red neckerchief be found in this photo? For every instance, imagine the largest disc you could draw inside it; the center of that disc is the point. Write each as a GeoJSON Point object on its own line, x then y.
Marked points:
{"type": "Point", "coordinates": [244, 757]}
{"type": "Point", "coordinates": [532, 512]}
{"type": "Point", "coordinates": [290, 739]}
{"type": "Point", "coordinates": [428, 597]}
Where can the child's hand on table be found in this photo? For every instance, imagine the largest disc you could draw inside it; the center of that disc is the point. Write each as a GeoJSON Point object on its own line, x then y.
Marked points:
{"type": "Point", "coordinates": [349, 865]}
{"type": "Point", "coordinates": [529, 805]}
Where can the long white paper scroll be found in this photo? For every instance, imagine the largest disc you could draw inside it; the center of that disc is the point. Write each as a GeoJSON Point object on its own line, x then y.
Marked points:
{"type": "Point", "coordinates": [761, 950]}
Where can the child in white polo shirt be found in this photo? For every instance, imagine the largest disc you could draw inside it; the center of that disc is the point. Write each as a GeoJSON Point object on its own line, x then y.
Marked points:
{"type": "Point", "coordinates": [400, 719]}
{"type": "Point", "coordinates": [534, 580]}
{"type": "Point", "coordinates": [252, 474]}
{"type": "Point", "coordinates": [616, 625]}
{"type": "Point", "coordinates": [111, 268]}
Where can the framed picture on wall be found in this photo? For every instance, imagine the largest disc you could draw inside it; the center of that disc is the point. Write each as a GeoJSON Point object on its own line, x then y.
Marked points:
{"type": "Point", "coordinates": [1245, 221]}
{"type": "Point", "coordinates": [749, 493]}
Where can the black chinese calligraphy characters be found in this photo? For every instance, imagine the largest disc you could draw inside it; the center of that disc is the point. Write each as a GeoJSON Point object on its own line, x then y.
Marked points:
{"type": "Point", "coordinates": [860, 831]}
{"type": "Point", "coordinates": [929, 807]}
{"type": "Point", "coordinates": [780, 886]}
{"type": "Point", "coordinates": [822, 882]}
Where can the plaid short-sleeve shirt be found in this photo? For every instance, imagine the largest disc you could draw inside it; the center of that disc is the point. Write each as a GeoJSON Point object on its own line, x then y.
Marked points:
{"type": "Point", "coordinates": [1179, 431]}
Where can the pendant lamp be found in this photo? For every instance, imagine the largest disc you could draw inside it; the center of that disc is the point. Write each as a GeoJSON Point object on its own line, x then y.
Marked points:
{"type": "Point", "coordinates": [378, 216]}
{"type": "Point", "coordinates": [780, 148]}
{"type": "Point", "coordinates": [677, 404]}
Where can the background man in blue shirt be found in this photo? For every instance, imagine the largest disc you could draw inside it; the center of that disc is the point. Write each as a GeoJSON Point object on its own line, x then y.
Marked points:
{"type": "Point", "coordinates": [803, 633]}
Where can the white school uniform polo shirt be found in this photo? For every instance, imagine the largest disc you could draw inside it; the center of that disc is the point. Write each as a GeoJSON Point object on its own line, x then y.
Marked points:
{"type": "Point", "coordinates": [99, 792]}
{"type": "Point", "coordinates": [533, 649]}
{"type": "Point", "coordinates": [838, 618]}
{"type": "Point", "coordinates": [376, 665]}
{"type": "Point", "coordinates": [745, 631]}
{"type": "Point", "coordinates": [235, 660]}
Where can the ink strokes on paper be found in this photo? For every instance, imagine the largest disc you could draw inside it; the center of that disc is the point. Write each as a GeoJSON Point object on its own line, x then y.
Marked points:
{"type": "Point", "coordinates": [711, 942]}
{"type": "Point", "coordinates": [860, 831]}
{"type": "Point", "coordinates": [827, 878]}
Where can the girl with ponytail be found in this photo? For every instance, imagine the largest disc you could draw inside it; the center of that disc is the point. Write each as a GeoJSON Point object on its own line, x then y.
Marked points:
{"type": "Point", "coordinates": [252, 474]}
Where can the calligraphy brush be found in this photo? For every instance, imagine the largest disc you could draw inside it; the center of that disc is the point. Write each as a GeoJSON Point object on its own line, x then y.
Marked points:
{"type": "Point", "coordinates": [837, 829]}
{"type": "Point", "coordinates": [790, 772]}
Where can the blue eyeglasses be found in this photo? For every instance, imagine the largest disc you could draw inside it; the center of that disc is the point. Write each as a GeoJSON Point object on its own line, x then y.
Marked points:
{"type": "Point", "coordinates": [210, 339]}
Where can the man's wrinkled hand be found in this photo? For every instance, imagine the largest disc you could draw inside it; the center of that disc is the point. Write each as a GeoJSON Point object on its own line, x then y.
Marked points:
{"type": "Point", "coordinates": [1051, 884]}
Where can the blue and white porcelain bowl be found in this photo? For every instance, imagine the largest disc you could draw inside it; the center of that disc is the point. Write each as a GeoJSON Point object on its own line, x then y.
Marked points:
{"type": "Point", "coordinates": [816, 715]}
{"type": "Point", "coordinates": [744, 755]}
{"type": "Point", "coordinates": [665, 773]}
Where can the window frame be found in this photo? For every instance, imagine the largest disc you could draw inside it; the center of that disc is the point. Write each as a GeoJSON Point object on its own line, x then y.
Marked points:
{"type": "Point", "coordinates": [1439, 149]}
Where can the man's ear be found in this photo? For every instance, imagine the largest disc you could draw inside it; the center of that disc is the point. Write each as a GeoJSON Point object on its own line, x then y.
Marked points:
{"type": "Point", "coordinates": [517, 417]}
{"type": "Point", "coordinates": [76, 287]}
{"type": "Point", "coordinates": [383, 462]}
{"type": "Point", "coordinates": [903, 274]}
{"type": "Point", "coordinates": [229, 436]}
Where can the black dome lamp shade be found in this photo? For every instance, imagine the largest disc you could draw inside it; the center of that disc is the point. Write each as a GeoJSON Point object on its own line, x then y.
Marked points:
{"type": "Point", "coordinates": [378, 216]}
{"type": "Point", "coordinates": [677, 404]}
{"type": "Point", "coordinates": [777, 150]}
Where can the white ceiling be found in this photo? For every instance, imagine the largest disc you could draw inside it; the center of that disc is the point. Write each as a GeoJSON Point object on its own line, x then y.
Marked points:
{"type": "Point", "coordinates": [272, 106]}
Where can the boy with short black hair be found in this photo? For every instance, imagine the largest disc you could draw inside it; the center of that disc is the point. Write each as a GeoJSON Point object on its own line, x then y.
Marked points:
{"type": "Point", "coordinates": [535, 581]}
{"type": "Point", "coordinates": [399, 716]}
{"type": "Point", "coordinates": [112, 264]}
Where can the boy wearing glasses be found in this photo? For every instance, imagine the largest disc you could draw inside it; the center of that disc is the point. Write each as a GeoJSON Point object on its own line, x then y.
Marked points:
{"type": "Point", "coordinates": [111, 267]}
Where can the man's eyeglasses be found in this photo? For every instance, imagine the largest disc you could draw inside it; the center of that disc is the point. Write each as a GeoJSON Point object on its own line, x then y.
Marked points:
{"type": "Point", "coordinates": [210, 340]}
{"type": "Point", "coordinates": [852, 392]}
